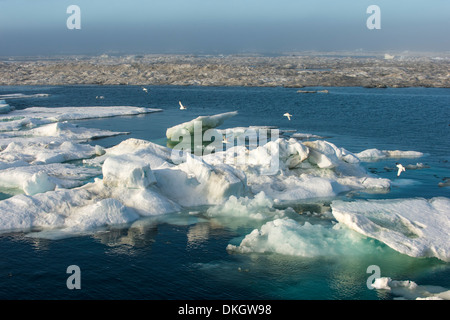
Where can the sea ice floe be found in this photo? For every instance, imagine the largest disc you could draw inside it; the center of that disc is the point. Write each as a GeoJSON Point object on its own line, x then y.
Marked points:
{"type": "Point", "coordinates": [291, 170]}
{"type": "Point", "coordinates": [140, 178]}
{"type": "Point", "coordinates": [375, 154]}
{"type": "Point", "coordinates": [45, 150]}
{"type": "Point", "coordinates": [63, 175]}
{"type": "Point", "coordinates": [57, 194]}
{"type": "Point", "coordinates": [64, 130]}
{"type": "Point", "coordinates": [207, 122]}
{"type": "Point", "coordinates": [50, 143]}
{"type": "Point", "coordinates": [37, 116]}
{"type": "Point", "coordinates": [62, 208]}
{"type": "Point", "coordinates": [192, 182]}
{"type": "Point", "coordinates": [305, 136]}
{"type": "Point", "coordinates": [416, 166]}
{"type": "Point", "coordinates": [42, 210]}
{"type": "Point", "coordinates": [415, 227]}
{"type": "Point", "coordinates": [410, 290]}
{"type": "Point", "coordinates": [23, 96]}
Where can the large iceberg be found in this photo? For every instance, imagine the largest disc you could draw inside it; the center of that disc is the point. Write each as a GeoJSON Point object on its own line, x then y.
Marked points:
{"type": "Point", "coordinates": [416, 227]}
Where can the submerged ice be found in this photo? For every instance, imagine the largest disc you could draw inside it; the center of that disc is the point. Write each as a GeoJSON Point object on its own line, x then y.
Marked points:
{"type": "Point", "coordinates": [289, 237]}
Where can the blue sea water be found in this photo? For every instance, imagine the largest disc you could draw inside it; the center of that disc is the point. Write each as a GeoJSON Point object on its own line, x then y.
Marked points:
{"type": "Point", "coordinates": [185, 256]}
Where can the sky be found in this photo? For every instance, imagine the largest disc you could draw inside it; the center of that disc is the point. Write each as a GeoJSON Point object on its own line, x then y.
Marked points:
{"type": "Point", "coordinates": [39, 27]}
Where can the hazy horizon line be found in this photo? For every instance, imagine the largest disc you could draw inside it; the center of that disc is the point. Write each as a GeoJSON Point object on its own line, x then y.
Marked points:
{"type": "Point", "coordinates": [115, 53]}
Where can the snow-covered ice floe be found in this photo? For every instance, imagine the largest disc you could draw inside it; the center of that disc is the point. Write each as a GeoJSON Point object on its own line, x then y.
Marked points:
{"type": "Point", "coordinates": [37, 116]}
{"type": "Point", "coordinates": [46, 177]}
{"type": "Point", "coordinates": [415, 227]}
{"type": "Point", "coordinates": [43, 151]}
{"type": "Point", "coordinates": [138, 178]}
{"type": "Point", "coordinates": [410, 290]}
{"type": "Point", "coordinates": [306, 136]}
{"type": "Point", "coordinates": [22, 96]}
{"type": "Point", "coordinates": [375, 154]}
{"type": "Point", "coordinates": [35, 146]}
{"type": "Point", "coordinates": [63, 130]}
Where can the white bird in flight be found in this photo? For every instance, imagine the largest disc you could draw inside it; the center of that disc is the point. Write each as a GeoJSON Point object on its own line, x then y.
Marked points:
{"type": "Point", "coordinates": [400, 169]}
{"type": "Point", "coordinates": [181, 106]}
{"type": "Point", "coordinates": [288, 115]}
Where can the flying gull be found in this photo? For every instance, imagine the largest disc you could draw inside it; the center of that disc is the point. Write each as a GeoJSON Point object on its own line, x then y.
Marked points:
{"type": "Point", "coordinates": [400, 168]}
{"type": "Point", "coordinates": [181, 106]}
